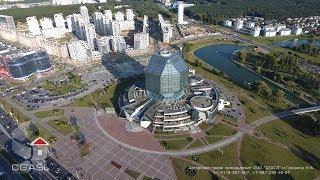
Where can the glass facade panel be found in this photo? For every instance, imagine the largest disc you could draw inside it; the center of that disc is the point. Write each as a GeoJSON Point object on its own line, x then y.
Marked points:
{"type": "Point", "coordinates": [167, 76]}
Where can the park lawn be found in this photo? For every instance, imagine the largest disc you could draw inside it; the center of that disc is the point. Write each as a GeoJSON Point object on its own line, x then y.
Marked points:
{"type": "Point", "coordinates": [204, 126]}
{"type": "Point", "coordinates": [256, 152]}
{"type": "Point", "coordinates": [180, 165]}
{"type": "Point", "coordinates": [62, 89]}
{"type": "Point", "coordinates": [221, 129]}
{"type": "Point", "coordinates": [49, 113]}
{"type": "Point", "coordinates": [21, 117]}
{"type": "Point", "coordinates": [197, 143]}
{"type": "Point", "coordinates": [213, 139]}
{"type": "Point", "coordinates": [86, 101]}
{"type": "Point", "coordinates": [38, 131]}
{"type": "Point", "coordinates": [62, 126]}
{"type": "Point", "coordinates": [252, 110]}
{"type": "Point", "coordinates": [174, 144]}
{"type": "Point", "coordinates": [216, 159]}
{"type": "Point", "coordinates": [104, 97]}
{"type": "Point", "coordinates": [168, 137]}
{"type": "Point", "coordinates": [284, 133]}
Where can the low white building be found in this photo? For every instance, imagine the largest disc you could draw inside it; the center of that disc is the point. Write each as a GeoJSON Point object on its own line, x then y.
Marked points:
{"type": "Point", "coordinates": [249, 24]}
{"type": "Point", "coordinates": [285, 32]}
{"type": "Point", "coordinates": [280, 27]}
{"type": "Point", "coordinates": [222, 103]}
{"type": "Point", "coordinates": [46, 23]}
{"type": "Point", "coordinates": [268, 28]}
{"type": "Point", "coordinates": [270, 33]}
{"type": "Point", "coordinates": [255, 32]}
{"type": "Point", "coordinates": [238, 24]}
{"type": "Point", "coordinates": [227, 23]}
{"type": "Point", "coordinates": [296, 30]}
{"type": "Point", "coordinates": [57, 33]}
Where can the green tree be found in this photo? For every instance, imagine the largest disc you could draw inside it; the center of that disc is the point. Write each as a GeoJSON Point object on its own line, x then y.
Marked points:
{"type": "Point", "coordinates": [258, 69]}
{"type": "Point", "coordinates": [243, 56]}
{"type": "Point", "coordinates": [290, 84]}
{"type": "Point", "coordinates": [278, 95]}
{"type": "Point", "coordinates": [197, 63]}
{"type": "Point", "coordinates": [264, 89]}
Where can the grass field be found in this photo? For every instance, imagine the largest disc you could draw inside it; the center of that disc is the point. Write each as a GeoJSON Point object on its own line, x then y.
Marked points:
{"type": "Point", "coordinates": [281, 131]}
{"type": "Point", "coordinates": [213, 139]}
{"type": "Point", "coordinates": [86, 101]}
{"type": "Point", "coordinates": [103, 97]}
{"type": "Point", "coordinates": [62, 126]}
{"type": "Point", "coordinates": [174, 136]}
{"type": "Point", "coordinates": [221, 129]}
{"type": "Point", "coordinates": [174, 144]}
{"type": "Point", "coordinates": [252, 110]}
{"type": "Point", "coordinates": [21, 117]}
{"type": "Point", "coordinates": [260, 153]}
{"type": "Point", "coordinates": [197, 143]}
{"type": "Point", "coordinates": [35, 130]}
{"type": "Point", "coordinates": [179, 167]}
{"type": "Point", "coordinates": [217, 159]}
{"type": "Point", "coordinates": [50, 113]}
{"type": "Point", "coordinates": [204, 126]}
{"type": "Point", "coordinates": [62, 89]}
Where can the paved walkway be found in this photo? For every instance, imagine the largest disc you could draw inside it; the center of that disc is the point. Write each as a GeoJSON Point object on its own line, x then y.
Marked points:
{"type": "Point", "coordinates": [217, 145]}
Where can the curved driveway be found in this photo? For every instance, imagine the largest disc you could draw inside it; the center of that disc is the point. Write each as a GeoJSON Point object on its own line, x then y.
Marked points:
{"type": "Point", "coordinates": [216, 145]}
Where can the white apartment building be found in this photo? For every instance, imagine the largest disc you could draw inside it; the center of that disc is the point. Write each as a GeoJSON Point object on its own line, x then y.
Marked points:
{"type": "Point", "coordinates": [46, 23]}
{"type": "Point", "coordinates": [90, 35]}
{"type": "Point", "coordinates": [121, 44]}
{"type": "Point", "coordinates": [119, 16]}
{"type": "Point", "coordinates": [104, 44]}
{"type": "Point", "coordinates": [270, 33]}
{"type": "Point", "coordinates": [285, 32]}
{"type": "Point", "coordinates": [108, 14]}
{"type": "Point", "coordinates": [59, 20]}
{"type": "Point", "coordinates": [227, 23]}
{"type": "Point", "coordinates": [180, 12]}
{"type": "Point", "coordinates": [140, 41]}
{"type": "Point", "coordinates": [238, 24]}
{"type": "Point", "coordinates": [280, 27]}
{"type": "Point", "coordinates": [69, 23]}
{"type": "Point", "coordinates": [129, 14]}
{"type": "Point", "coordinates": [296, 30]}
{"type": "Point", "coordinates": [249, 24]}
{"type": "Point", "coordinates": [85, 14]}
{"type": "Point", "coordinates": [79, 51]}
{"type": "Point", "coordinates": [33, 25]}
{"type": "Point", "coordinates": [166, 29]}
{"type": "Point", "coordinates": [255, 32]}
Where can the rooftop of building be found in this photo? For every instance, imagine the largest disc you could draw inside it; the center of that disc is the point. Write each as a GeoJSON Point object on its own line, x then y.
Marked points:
{"type": "Point", "coordinates": [163, 61]}
{"type": "Point", "coordinates": [201, 101]}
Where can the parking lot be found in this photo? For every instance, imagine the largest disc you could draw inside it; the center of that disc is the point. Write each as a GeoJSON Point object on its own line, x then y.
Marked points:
{"type": "Point", "coordinates": [38, 97]}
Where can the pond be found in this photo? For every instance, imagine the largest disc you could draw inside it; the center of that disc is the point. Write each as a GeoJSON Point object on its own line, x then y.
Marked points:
{"type": "Point", "coordinates": [218, 56]}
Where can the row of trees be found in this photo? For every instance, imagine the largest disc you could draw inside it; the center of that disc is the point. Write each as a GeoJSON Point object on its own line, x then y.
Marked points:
{"type": "Point", "coordinates": [141, 7]}
{"type": "Point", "coordinates": [310, 49]}
{"type": "Point", "coordinates": [263, 89]}
{"type": "Point", "coordinates": [212, 11]}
